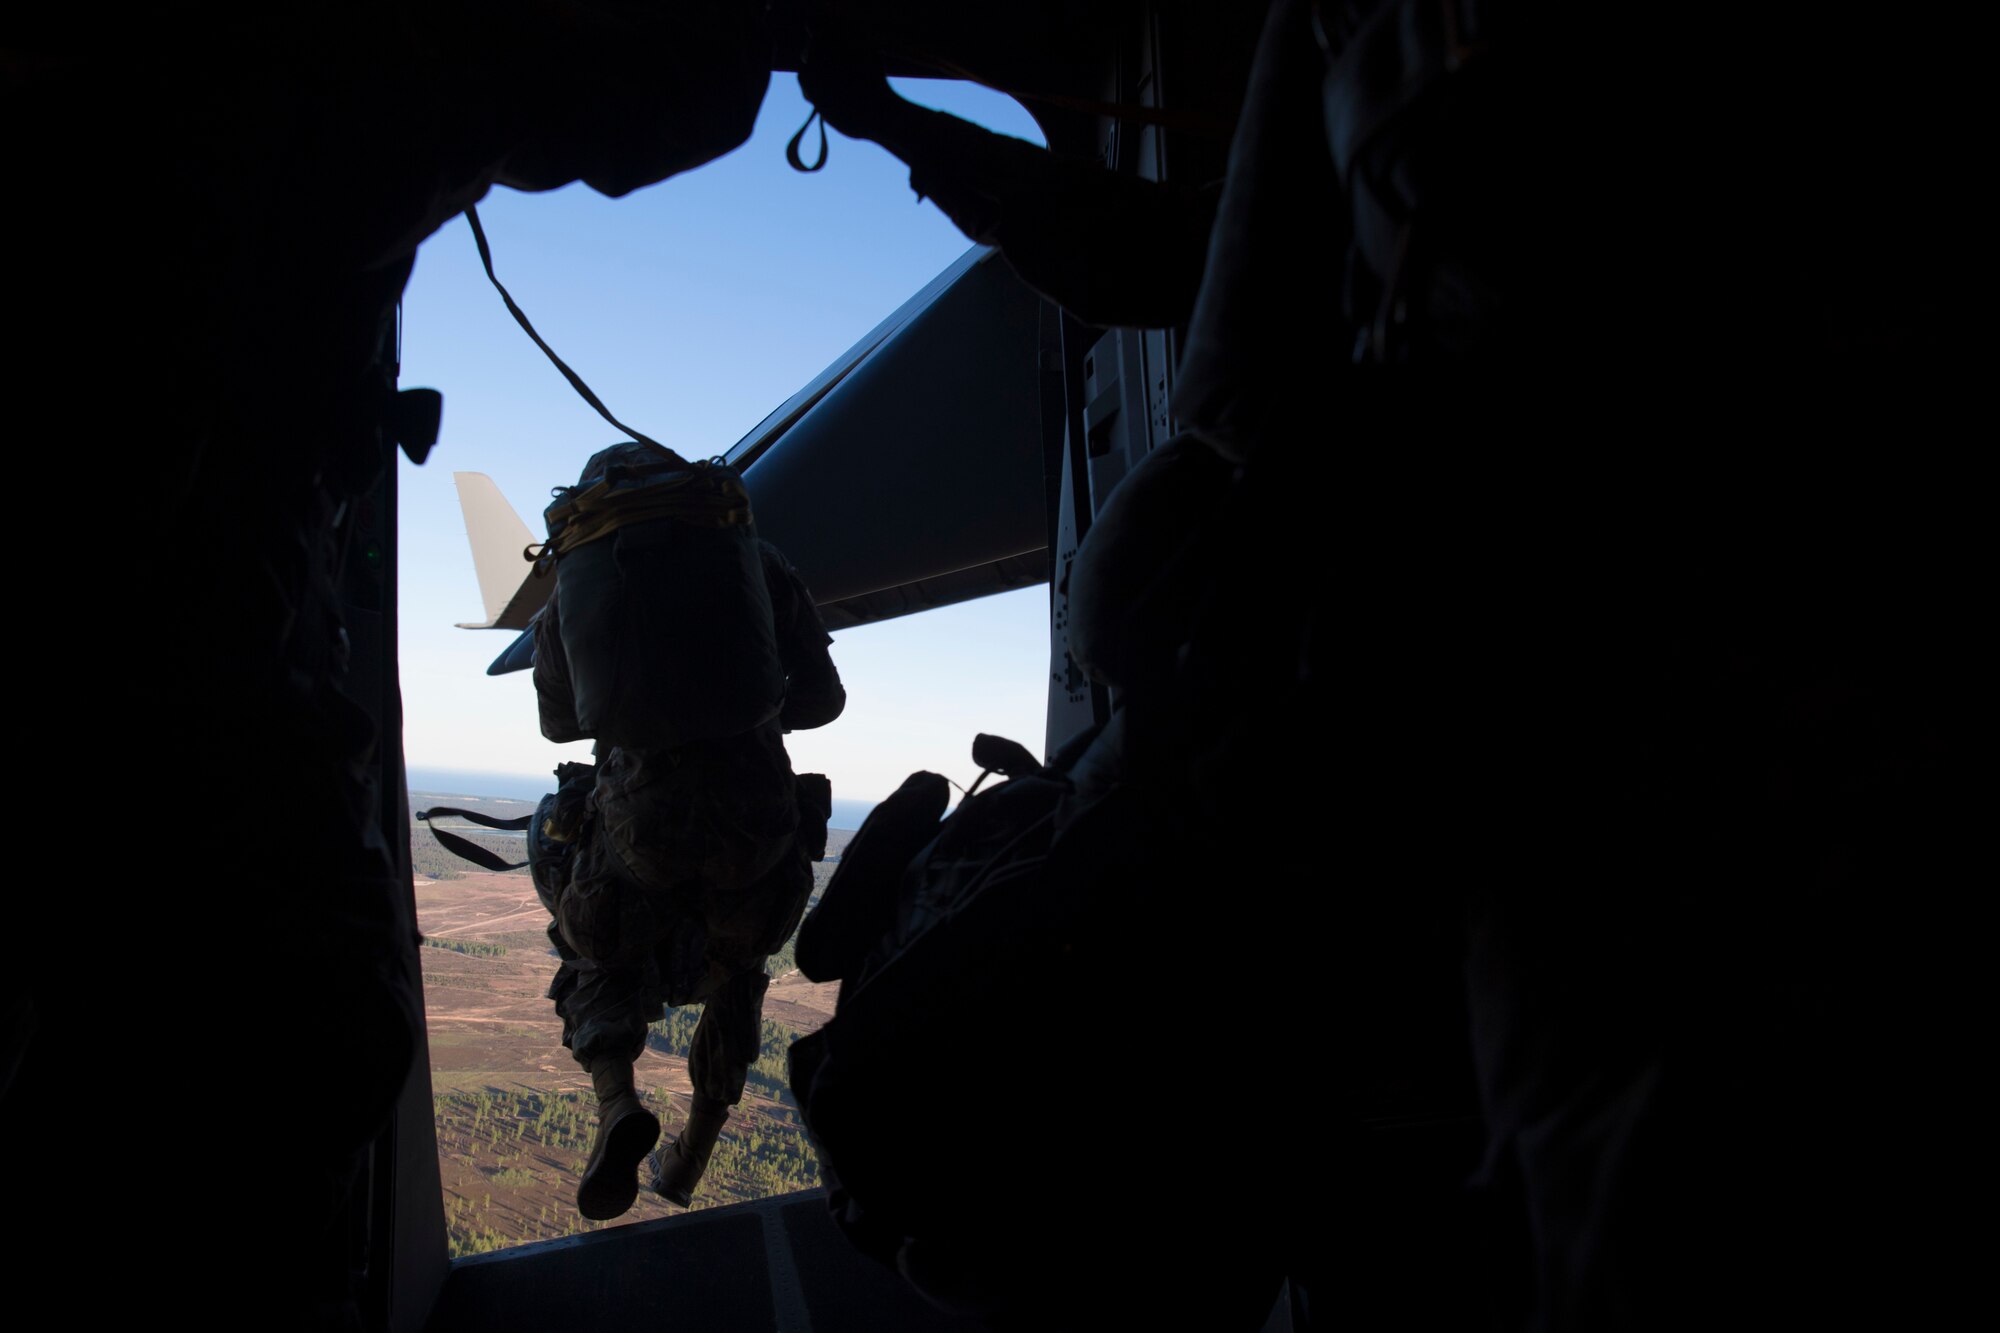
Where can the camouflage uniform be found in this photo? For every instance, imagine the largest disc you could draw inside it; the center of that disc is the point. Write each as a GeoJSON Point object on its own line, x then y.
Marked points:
{"type": "Point", "coordinates": [671, 874]}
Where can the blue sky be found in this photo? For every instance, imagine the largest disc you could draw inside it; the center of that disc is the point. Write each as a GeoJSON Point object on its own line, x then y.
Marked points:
{"type": "Point", "coordinates": [692, 308]}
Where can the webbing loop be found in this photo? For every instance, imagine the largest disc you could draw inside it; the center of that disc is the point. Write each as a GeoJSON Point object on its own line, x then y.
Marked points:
{"type": "Point", "coordinates": [792, 154]}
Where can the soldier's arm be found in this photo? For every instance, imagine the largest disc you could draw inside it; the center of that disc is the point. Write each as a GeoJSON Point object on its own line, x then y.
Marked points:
{"type": "Point", "coordinates": [1111, 249]}
{"type": "Point", "coordinates": [554, 696]}
{"type": "Point", "coordinates": [814, 695]}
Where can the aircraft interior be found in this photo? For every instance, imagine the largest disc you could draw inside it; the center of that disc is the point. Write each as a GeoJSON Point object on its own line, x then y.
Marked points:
{"type": "Point", "coordinates": [1625, 806]}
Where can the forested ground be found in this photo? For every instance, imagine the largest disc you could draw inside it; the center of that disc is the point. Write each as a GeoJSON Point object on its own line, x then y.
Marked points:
{"type": "Point", "coordinates": [511, 1158]}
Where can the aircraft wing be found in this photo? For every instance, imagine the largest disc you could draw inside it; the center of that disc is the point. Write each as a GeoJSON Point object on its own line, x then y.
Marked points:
{"type": "Point", "coordinates": [506, 580]}
{"type": "Point", "coordinates": [912, 473]}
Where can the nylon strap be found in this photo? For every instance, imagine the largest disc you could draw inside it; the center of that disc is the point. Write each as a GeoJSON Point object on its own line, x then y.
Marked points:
{"type": "Point", "coordinates": [468, 849]}
{"type": "Point", "coordinates": [518, 824]}
{"type": "Point", "coordinates": [576, 380]}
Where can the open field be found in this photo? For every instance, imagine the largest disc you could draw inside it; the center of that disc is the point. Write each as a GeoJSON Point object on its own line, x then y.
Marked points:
{"type": "Point", "coordinates": [514, 1112]}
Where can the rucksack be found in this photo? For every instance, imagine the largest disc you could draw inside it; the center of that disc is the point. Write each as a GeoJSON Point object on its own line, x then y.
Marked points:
{"type": "Point", "coordinates": [989, 993]}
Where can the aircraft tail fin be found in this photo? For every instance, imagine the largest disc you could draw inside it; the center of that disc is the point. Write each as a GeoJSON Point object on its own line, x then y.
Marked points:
{"type": "Point", "coordinates": [507, 585]}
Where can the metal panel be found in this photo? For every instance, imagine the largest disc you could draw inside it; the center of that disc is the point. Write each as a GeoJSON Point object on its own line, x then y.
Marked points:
{"type": "Point", "coordinates": [923, 460]}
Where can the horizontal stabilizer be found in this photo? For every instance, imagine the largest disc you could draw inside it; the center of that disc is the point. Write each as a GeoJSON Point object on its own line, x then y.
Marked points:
{"type": "Point", "coordinates": [519, 656]}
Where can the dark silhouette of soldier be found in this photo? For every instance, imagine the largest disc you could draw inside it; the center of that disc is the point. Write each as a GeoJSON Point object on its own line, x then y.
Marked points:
{"type": "Point", "coordinates": [673, 871]}
{"type": "Point", "coordinates": [1536, 574]}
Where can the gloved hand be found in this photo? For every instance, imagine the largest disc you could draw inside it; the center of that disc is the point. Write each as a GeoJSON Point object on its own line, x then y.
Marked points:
{"type": "Point", "coordinates": [845, 82]}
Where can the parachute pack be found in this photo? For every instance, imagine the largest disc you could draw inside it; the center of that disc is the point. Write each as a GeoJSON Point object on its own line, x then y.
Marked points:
{"type": "Point", "coordinates": [660, 607]}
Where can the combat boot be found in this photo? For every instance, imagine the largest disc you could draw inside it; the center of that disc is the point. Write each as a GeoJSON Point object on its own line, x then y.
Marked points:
{"type": "Point", "coordinates": [677, 1166]}
{"type": "Point", "coordinates": [625, 1131]}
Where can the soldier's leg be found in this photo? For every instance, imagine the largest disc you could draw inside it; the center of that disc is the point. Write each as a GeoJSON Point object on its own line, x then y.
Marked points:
{"type": "Point", "coordinates": [741, 930]}
{"type": "Point", "coordinates": [726, 1042]}
{"type": "Point", "coordinates": [605, 1010]}
{"type": "Point", "coordinates": [608, 987]}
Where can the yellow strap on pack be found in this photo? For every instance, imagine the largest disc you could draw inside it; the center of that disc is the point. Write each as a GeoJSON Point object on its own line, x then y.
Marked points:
{"type": "Point", "coordinates": [704, 495]}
